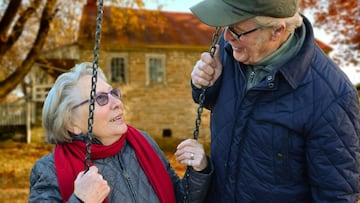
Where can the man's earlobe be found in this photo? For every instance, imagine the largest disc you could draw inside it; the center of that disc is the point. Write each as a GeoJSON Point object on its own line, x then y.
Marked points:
{"type": "Point", "coordinates": [278, 32]}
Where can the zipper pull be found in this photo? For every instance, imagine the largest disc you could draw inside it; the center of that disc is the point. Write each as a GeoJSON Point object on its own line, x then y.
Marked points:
{"type": "Point", "coordinates": [126, 175]}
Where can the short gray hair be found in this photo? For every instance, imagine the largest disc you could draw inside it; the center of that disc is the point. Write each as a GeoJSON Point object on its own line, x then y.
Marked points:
{"type": "Point", "coordinates": [57, 109]}
{"type": "Point", "coordinates": [291, 23]}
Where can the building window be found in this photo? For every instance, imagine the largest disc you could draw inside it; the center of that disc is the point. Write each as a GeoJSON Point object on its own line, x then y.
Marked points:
{"type": "Point", "coordinates": [155, 69]}
{"type": "Point", "coordinates": [118, 69]}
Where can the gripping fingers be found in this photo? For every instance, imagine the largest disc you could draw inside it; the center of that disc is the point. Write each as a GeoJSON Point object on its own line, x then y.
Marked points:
{"type": "Point", "coordinates": [202, 74]}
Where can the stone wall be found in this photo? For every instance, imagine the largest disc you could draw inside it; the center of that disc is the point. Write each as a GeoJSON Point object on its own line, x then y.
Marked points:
{"type": "Point", "coordinates": [161, 109]}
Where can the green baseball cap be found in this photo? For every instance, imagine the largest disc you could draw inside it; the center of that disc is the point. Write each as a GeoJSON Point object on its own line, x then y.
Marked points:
{"type": "Point", "coordinates": [227, 12]}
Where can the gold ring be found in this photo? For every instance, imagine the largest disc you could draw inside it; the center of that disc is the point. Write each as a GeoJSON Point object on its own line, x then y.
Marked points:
{"type": "Point", "coordinates": [192, 156]}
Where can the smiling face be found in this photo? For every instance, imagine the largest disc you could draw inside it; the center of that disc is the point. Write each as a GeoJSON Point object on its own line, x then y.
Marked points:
{"type": "Point", "coordinates": [254, 46]}
{"type": "Point", "coordinates": [109, 123]}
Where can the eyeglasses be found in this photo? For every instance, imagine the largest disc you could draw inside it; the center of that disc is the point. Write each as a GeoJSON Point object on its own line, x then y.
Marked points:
{"type": "Point", "coordinates": [237, 36]}
{"type": "Point", "coordinates": [102, 98]}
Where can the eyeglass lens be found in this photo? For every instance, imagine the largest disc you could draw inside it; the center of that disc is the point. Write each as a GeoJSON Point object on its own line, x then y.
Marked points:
{"type": "Point", "coordinates": [237, 35]}
{"type": "Point", "coordinates": [102, 98]}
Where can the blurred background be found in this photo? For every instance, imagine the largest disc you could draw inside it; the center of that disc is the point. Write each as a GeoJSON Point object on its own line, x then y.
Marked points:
{"type": "Point", "coordinates": [147, 49]}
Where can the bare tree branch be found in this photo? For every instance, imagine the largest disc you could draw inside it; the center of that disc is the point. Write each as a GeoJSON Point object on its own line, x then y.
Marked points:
{"type": "Point", "coordinates": [7, 19]}
{"type": "Point", "coordinates": [18, 75]}
{"type": "Point", "coordinates": [19, 27]}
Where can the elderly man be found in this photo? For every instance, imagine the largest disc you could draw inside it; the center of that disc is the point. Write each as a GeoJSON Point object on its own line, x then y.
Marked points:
{"type": "Point", "coordinates": [284, 118]}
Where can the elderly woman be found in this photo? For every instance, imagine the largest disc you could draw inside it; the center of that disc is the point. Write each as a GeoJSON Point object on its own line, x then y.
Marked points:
{"type": "Point", "coordinates": [126, 164]}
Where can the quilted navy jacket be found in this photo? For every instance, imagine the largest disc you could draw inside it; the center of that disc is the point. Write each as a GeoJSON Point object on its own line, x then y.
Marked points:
{"type": "Point", "coordinates": [294, 137]}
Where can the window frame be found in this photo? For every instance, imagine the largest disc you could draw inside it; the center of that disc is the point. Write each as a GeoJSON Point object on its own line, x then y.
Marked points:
{"type": "Point", "coordinates": [162, 59]}
{"type": "Point", "coordinates": [124, 56]}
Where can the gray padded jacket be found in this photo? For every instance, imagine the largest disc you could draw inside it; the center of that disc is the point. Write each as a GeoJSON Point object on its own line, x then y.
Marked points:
{"type": "Point", "coordinates": [125, 177]}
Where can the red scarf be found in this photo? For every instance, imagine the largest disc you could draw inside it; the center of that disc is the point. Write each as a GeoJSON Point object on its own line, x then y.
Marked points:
{"type": "Point", "coordinates": [69, 161]}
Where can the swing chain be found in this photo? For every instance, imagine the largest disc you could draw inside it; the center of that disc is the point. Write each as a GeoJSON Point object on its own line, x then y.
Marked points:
{"type": "Point", "coordinates": [215, 39]}
{"type": "Point", "coordinates": [95, 67]}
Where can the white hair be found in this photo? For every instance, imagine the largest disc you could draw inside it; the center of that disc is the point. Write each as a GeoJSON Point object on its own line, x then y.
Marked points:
{"type": "Point", "coordinates": [291, 23]}
{"type": "Point", "coordinates": [57, 109]}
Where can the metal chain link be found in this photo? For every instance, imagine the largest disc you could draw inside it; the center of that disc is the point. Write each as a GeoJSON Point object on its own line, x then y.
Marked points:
{"type": "Point", "coordinates": [95, 67]}
{"type": "Point", "coordinates": [93, 91]}
{"type": "Point", "coordinates": [215, 39]}
{"type": "Point", "coordinates": [202, 94]}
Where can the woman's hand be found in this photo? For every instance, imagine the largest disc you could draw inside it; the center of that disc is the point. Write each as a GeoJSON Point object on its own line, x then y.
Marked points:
{"type": "Point", "coordinates": [91, 187]}
{"type": "Point", "coordinates": [192, 153]}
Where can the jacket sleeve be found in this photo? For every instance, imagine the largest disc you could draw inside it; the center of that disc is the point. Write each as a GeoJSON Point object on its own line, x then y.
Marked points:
{"type": "Point", "coordinates": [193, 186]}
{"type": "Point", "coordinates": [210, 94]}
{"type": "Point", "coordinates": [196, 183]}
{"type": "Point", "coordinates": [333, 152]}
{"type": "Point", "coordinates": [43, 183]}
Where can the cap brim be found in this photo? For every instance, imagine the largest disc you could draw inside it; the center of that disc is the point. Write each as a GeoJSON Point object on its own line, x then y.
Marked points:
{"type": "Point", "coordinates": [218, 13]}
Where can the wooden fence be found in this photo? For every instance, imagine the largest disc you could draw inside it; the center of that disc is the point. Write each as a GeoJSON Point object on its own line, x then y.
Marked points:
{"type": "Point", "coordinates": [17, 113]}
{"type": "Point", "coordinates": [13, 113]}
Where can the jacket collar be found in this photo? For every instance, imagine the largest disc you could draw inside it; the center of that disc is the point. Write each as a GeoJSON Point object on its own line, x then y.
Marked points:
{"type": "Point", "coordinates": [295, 69]}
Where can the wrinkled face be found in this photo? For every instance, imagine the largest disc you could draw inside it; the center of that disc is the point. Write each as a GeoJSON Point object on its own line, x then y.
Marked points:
{"type": "Point", "coordinates": [109, 123]}
{"type": "Point", "coordinates": [253, 44]}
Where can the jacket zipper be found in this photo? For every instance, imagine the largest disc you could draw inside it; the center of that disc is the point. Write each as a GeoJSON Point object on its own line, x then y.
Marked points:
{"type": "Point", "coordinates": [128, 180]}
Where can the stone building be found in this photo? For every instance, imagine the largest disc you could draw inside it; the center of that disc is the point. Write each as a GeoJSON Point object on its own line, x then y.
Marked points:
{"type": "Point", "coordinates": [150, 62]}
{"type": "Point", "coordinates": [150, 58]}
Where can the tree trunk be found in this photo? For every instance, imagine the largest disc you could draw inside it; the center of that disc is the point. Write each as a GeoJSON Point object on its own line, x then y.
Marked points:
{"type": "Point", "coordinates": [19, 74]}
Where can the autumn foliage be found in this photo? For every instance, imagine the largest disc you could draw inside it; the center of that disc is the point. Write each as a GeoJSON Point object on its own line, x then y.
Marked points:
{"type": "Point", "coordinates": [29, 27]}
{"type": "Point", "coordinates": [341, 18]}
